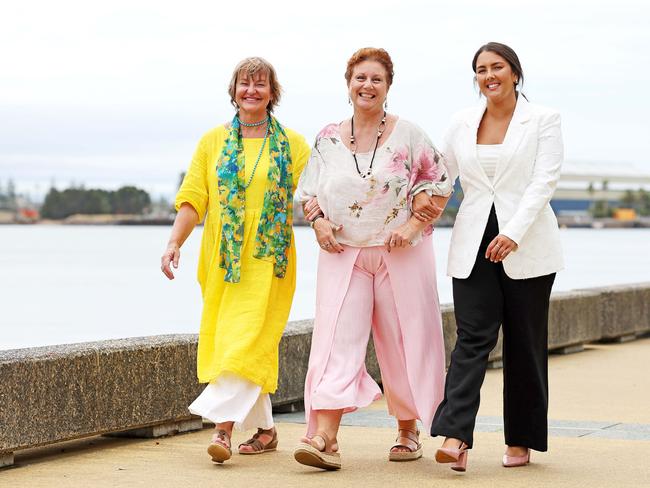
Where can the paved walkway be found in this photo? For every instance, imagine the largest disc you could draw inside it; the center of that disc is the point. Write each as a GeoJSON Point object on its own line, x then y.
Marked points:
{"type": "Point", "coordinates": [599, 437]}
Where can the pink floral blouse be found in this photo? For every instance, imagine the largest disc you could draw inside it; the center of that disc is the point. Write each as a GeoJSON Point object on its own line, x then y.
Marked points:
{"type": "Point", "coordinates": [405, 164]}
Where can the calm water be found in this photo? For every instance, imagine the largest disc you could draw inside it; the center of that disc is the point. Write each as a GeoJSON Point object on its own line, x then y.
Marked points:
{"type": "Point", "coordinates": [64, 284]}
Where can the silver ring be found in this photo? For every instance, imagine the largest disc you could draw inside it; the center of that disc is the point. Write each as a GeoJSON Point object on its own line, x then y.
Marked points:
{"type": "Point", "coordinates": [497, 245]}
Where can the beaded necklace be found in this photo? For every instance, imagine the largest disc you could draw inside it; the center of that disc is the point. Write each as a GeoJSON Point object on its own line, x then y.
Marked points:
{"type": "Point", "coordinates": [253, 124]}
{"type": "Point", "coordinates": [380, 130]}
{"type": "Point", "coordinates": [259, 156]}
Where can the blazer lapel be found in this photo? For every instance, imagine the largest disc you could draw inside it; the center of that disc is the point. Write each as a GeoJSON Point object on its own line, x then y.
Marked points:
{"type": "Point", "coordinates": [514, 135]}
{"type": "Point", "coordinates": [472, 123]}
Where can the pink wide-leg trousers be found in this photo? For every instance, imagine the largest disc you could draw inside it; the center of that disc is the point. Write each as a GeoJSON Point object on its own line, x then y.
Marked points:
{"type": "Point", "coordinates": [394, 295]}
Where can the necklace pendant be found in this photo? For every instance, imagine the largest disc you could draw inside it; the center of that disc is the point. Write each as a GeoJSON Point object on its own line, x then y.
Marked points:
{"type": "Point", "coordinates": [380, 131]}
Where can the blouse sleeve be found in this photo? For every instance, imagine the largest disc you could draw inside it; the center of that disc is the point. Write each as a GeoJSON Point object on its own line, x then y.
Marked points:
{"type": "Point", "coordinates": [194, 189]}
{"type": "Point", "coordinates": [429, 172]}
{"type": "Point", "coordinates": [308, 184]}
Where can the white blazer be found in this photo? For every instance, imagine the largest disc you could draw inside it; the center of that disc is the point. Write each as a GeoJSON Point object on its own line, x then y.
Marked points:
{"type": "Point", "coordinates": [522, 187]}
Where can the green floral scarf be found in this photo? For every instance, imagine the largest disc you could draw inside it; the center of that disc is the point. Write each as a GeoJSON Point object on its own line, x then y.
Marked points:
{"type": "Point", "coordinates": [274, 230]}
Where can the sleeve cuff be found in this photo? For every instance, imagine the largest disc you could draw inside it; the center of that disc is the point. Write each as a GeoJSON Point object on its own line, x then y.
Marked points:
{"type": "Point", "coordinates": [511, 235]}
{"type": "Point", "coordinates": [197, 208]}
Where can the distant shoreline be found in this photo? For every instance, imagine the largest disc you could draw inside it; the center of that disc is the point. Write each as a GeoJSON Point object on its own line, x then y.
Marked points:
{"type": "Point", "coordinates": [139, 220]}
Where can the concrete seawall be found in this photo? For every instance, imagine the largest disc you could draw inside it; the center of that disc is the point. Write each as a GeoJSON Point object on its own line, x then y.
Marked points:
{"type": "Point", "coordinates": [142, 386]}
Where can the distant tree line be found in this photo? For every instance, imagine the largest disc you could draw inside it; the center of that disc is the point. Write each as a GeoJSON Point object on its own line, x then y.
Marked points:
{"type": "Point", "coordinates": [639, 201]}
{"type": "Point", "coordinates": [126, 200]}
{"type": "Point", "coordinates": [8, 196]}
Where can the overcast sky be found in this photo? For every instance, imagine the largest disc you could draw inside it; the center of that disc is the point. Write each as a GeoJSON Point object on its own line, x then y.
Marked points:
{"type": "Point", "coordinates": [119, 92]}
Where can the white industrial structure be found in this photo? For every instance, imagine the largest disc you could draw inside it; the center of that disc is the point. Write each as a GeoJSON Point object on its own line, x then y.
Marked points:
{"type": "Point", "coordinates": [587, 182]}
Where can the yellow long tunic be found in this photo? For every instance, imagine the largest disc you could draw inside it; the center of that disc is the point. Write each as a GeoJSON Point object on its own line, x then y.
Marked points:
{"type": "Point", "coordinates": [242, 323]}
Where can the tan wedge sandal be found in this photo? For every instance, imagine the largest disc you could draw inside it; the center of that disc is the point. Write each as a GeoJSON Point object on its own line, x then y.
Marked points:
{"type": "Point", "coordinates": [219, 449]}
{"type": "Point", "coordinates": [256, 443]}
{"type": "Point", "coordinates": [410, 440]}
{"type": "Point", "coordinates": [309, 455]}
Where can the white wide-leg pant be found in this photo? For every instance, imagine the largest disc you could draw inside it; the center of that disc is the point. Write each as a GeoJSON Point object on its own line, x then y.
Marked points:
{"type": "Point", "coordinates": [231, 398]}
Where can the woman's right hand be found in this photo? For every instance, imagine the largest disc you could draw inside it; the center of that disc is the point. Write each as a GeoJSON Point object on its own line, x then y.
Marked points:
{"type": "Point", "coordinates": [324, 230]}
{"type": "Point", "coordinates": [426, 208]}
{"type": "Point", "coordinates": [170, 257]}
{"type": "Point", "coordinates": [311, 209]}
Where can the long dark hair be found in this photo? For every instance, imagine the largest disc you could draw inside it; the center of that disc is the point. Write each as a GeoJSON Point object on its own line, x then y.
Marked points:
{"type": "Point", "coordinates": [507, 53]}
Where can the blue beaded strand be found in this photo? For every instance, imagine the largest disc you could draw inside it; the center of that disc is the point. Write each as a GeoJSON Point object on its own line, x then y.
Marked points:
{"type": "Point", "coordinates": [259, 156]}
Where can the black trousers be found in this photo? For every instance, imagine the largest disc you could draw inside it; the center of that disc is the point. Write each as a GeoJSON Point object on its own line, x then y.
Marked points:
{"type": "Point", "coordinates": [483, 302]}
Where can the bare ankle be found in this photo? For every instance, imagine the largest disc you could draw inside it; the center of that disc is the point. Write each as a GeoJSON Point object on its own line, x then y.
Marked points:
{"type": "Point", "coordinates": [227, 426]}
{"type": "Point", "coordinates": [516, 450]}
{"type": "Point", "coordinates": [452, 442]}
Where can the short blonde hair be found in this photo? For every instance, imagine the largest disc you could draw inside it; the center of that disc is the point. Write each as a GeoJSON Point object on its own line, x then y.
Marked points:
{"type": "Point", "coordinates": [250, 67]}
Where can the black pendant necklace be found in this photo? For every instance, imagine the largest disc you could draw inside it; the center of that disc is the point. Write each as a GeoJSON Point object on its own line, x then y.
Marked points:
{"type": "Point", "coordinates": [353, 145]}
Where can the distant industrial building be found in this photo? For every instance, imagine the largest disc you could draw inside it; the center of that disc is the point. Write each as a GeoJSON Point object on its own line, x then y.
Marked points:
{"type": "Point", "coordinates": [582, 184]}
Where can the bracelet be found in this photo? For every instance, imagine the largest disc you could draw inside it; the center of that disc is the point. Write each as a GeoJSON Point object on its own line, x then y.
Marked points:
{"type": "Point", "coordinates": [319, 216]}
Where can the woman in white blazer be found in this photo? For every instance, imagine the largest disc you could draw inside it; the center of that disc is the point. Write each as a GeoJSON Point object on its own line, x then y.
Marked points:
{"type": "Point", "coordinates": [504, 253]}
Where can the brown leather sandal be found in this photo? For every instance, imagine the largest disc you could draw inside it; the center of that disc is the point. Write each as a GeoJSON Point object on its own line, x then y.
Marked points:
{"type": "Point", "coordinates": [219, 449]}
{"type": "Point", "coordinates": [408, 439]}
{"type": "Point", "coordinates": [309, 455]}
{"type": "Point", "coordinates": [256, 443]}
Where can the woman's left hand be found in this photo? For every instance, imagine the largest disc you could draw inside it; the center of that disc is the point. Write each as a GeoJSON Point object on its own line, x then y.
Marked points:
{"type": "Point", "coordinates": [401, 237]}
{"type": "Point", "coordinates": [499, 248]}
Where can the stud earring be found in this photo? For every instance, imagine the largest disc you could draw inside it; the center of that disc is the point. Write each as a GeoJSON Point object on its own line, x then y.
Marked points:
{"type": "Point", "coordinates": [386, 103]}
{"type": "Point", "coordinates": [349, 101]}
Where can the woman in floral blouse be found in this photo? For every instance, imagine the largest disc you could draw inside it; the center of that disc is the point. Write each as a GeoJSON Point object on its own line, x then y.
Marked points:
{"type": "Point", "coordinates": [376, 270]}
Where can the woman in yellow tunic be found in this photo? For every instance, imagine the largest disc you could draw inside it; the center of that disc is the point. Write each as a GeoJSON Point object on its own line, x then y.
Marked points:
{"type": "Point", "coordinates": [242, 176]}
